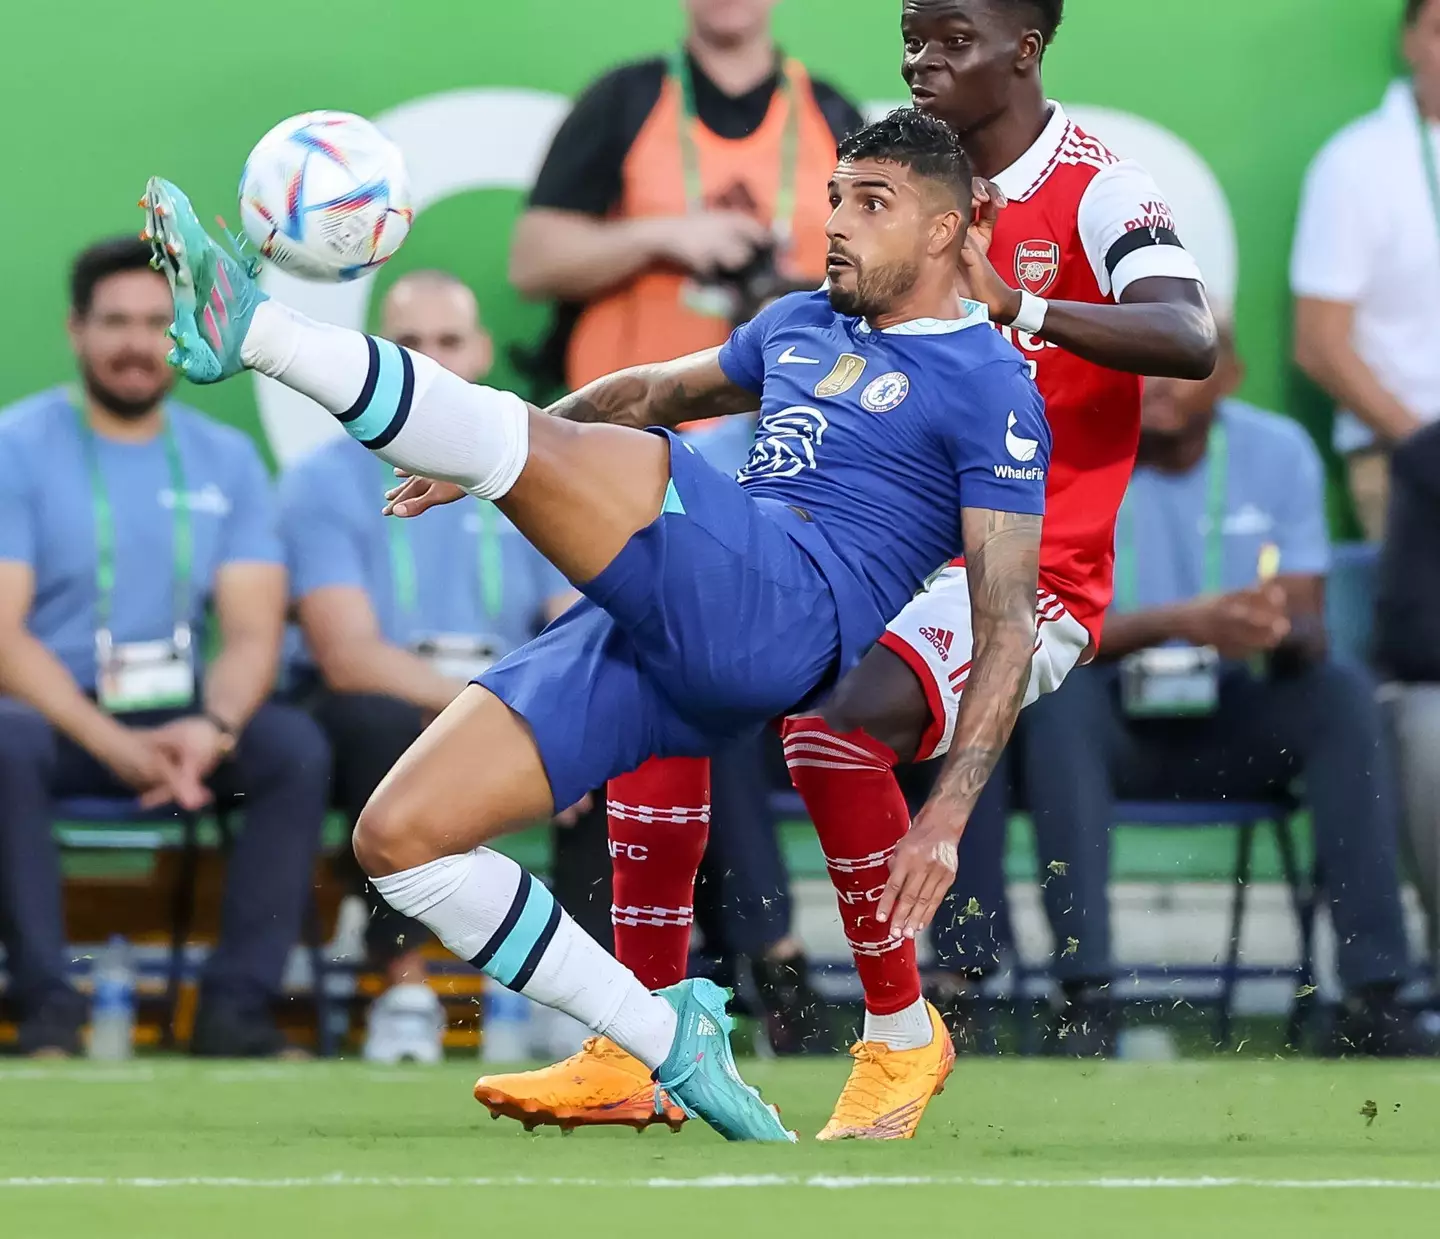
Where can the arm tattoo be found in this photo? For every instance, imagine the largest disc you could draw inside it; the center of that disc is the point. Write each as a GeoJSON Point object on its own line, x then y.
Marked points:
{"type": "Point", "coordinates": [690, 389]}
{"type": "Point", "coordinates": [1002, 555]}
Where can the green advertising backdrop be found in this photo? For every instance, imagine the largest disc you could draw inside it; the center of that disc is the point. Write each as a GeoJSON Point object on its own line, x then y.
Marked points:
{"type": "Point", "coordinates": [96, 95]}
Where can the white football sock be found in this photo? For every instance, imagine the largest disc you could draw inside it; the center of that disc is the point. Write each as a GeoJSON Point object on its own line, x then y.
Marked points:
{"type": "Point", "coordinates": [489, 911]}
{"type": "Point", "coordinates": [909, 1029]}
{"type": "Point", "coordinates": [404, 407]}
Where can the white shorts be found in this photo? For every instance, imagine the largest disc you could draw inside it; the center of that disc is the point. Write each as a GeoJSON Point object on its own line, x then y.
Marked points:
{"type": "Point", "coordinates": [933, 635]}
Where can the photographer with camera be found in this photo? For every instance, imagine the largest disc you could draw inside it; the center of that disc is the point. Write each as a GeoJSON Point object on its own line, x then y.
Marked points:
{"type": "Point", "coordinates": [682, 194]}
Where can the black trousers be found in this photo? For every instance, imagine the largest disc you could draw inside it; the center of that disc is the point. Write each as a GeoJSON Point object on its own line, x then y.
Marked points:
{"type": "Point", "coordinates": [368, 733]}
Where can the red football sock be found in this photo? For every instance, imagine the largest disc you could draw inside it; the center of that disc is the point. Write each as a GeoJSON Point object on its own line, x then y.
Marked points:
{"type": "Point", "coordinates": [848, 785]}
{"type": "Point", "coordinates": [659, 818]}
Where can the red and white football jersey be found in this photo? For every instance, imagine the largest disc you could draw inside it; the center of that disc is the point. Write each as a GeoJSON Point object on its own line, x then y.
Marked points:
{"type": "Point", "coordinates": [1082, 225]}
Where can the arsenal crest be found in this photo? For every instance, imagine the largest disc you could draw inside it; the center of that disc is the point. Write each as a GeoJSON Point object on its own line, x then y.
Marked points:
{"type": "Point", "coordinates": [1037, 263]}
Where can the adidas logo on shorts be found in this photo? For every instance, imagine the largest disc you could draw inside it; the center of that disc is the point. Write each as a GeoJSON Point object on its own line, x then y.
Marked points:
{"type": "Point", "coordinates": [706, 1027]}
{"type": "Point", "coordinates": [941, 639]}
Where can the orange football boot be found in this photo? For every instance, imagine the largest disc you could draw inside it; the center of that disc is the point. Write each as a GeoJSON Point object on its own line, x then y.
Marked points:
{"type": "Point", "coordinates": [602, 1085]}
{"type": "Point", "coordinates": [888, 1090]}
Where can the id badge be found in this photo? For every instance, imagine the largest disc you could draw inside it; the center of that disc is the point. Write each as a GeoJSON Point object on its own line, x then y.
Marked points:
{"type": "Point", "coordinates": [1171, 682]}
{"type": "Point", "coordinates": [144, 675]}
{"type": "Point", "coordinates": [459, 656]}
{"type": "Point", "coordinates": [711, 300]}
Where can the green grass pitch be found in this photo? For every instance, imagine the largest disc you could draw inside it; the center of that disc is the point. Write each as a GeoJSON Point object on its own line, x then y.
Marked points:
{"type": "Point", "coordinates": [1220, 1147]}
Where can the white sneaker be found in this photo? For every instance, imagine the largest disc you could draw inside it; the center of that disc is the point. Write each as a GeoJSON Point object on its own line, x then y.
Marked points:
{"type": "Point", "coordinates": [406, 1024]}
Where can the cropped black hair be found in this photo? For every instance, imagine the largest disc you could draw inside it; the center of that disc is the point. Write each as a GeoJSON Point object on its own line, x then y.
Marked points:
{"type": "Point", "coordinates": [1413, 9]}
{"type": "Point", "coordinates": [916, 140]}
{"type": "Point", "coordinates": [99, 262]}
{"type": "Point", "coordinates": [1048, 16]}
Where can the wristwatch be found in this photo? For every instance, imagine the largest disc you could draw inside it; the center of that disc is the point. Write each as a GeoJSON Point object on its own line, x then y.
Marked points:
{"type": "Point", "coordinates": [228, 737]}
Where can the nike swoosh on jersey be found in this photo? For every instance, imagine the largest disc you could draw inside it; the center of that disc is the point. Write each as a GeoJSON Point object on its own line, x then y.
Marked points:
{"type": "Point", "coordinates": [1021, 449]}
{"type": "Point", "coordinates": [788, 358]}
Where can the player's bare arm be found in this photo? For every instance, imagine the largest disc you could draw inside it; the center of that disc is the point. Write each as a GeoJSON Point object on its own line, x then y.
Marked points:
{"type": "Point", "coordinates": [1002, 556]}
{"type": "Point", "coordinates": [1162, 325]}
{"type": "Point", "coordinates": [664, 394]}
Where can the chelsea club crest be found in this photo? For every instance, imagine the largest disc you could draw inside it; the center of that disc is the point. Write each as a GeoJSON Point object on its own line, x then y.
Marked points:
{"type": "Point", "coordinates": [885, 393]}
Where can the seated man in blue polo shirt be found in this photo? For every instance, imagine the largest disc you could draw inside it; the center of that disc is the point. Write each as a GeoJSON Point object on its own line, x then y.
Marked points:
{"type": "Point", "coordinates": [397, 616]}
{"type": "Point", "coordinates": [103, 607]}
{"type": "Point", "coordinates": [1214, 683]}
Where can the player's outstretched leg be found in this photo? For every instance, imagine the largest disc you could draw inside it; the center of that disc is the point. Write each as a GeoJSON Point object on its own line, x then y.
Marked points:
{"type": "Point", "coordinates": [421, 837]}
{"type": "Point", "coordinates": [845, 775]}
{"type": "Point", "coordinates": [659, 819]}
{"type": "Point", "coordinates": [577, 492]}
{"type": "Point", "coordinates": [440, 799]}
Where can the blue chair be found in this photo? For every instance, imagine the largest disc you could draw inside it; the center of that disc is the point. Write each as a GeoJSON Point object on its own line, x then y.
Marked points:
{"type": "Point", "coordinates": [91, 823]}
{"type": "Point", "coordinates": [116, 824]}
{"type": "Point", "coordinates": [1247, 817]}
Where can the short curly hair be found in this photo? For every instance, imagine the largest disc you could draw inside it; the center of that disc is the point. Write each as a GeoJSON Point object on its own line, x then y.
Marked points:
{"type": "Point", "coordinates": [919, 141]}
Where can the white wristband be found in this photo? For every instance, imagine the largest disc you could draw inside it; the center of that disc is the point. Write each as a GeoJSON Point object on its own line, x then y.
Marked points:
{"type": "Point", "coordinates": [1031, 316]}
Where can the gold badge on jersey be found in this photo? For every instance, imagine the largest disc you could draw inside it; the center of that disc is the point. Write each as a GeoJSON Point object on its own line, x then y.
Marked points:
{"type": "Point", "coordinates": [842, 378]}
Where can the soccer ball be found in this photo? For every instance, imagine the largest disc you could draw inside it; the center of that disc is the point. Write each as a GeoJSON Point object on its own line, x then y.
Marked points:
{"type": "Point", "coordinates": [324, 196]}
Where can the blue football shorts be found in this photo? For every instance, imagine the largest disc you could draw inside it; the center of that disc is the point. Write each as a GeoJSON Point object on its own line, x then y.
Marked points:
{"type": "Point", "coordinates": [711, 621]}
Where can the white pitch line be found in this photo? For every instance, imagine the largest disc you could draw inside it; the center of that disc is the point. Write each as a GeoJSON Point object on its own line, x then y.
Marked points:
{"type": "Point", "coordinates": [712, 1182]}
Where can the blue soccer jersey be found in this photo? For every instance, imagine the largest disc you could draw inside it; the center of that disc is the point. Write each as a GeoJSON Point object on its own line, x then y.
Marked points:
{"type": "Point", "coordinates": [881, 437]}
{"type": "Point", "coordinates": [744, 601]}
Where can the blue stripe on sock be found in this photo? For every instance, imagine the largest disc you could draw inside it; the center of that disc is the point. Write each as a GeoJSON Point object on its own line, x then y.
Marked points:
{"type": "Point", "coordinates": [402, 409]}
{"type": "Point", "coordinates": [509, 957]}
{"type": "Point", "coordinates": [537, 952]}
{"type": "Point", "coordinates": [388, 371]}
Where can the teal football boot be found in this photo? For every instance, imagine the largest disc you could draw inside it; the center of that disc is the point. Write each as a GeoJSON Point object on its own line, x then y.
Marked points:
{"type": "Point", "coordinates": [700, 1075]}
{"type": "Point", "coordinates": [215, 292]}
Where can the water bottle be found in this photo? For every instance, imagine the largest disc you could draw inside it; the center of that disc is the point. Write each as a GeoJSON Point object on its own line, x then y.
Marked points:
{"type": "Point", "coordinates": [112, 1012]}
{"type": "Point", "coordinates": [505, 1035]}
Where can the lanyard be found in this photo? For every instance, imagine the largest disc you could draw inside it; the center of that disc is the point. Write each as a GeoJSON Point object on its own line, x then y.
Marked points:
{"type": "Point", "coordinates": [489, 562]}
{"type": "Point", "coordinates": [181, 541]}
{"type": "Point", "coordinates": [1217, 471]}
{"type": "Point", "coordinates": [690, 152]}
{"type": "Point", "coordinates": [1427, 158]}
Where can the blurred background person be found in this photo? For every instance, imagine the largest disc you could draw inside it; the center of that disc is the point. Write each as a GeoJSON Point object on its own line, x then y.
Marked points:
{"type": "Point", "coordinates": [1365, 270]}
{"type": "Point", "coordinates": [1407, 653]}
{"type": "Point", "coordinates": [397, 616]}
{"type": "Point", "coordinates": [1216, 683]}
{"type": "Point", "coordinates": [124, 518]}
{"type": "Point", "coordinates": [681, 194]}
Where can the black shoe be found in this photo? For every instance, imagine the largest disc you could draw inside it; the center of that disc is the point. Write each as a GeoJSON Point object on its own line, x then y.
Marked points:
{"type": "Point", "coordinates": [794, 1015]}
{"type": "Point", "coordinates": [227, 1029]}
{"type": "Point", "coordinates": [1083, 1028]}
{"type": "Point", "coordinates": [1379, 1027]}
{"type": "Point", "coordinates": [53, 1026]}
{"type": "Point", "coordinates": [971, 1017]}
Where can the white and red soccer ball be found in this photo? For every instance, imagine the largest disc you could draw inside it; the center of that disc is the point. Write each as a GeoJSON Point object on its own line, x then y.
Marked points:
{"type": "Point", "coordinates": [325, 196]}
